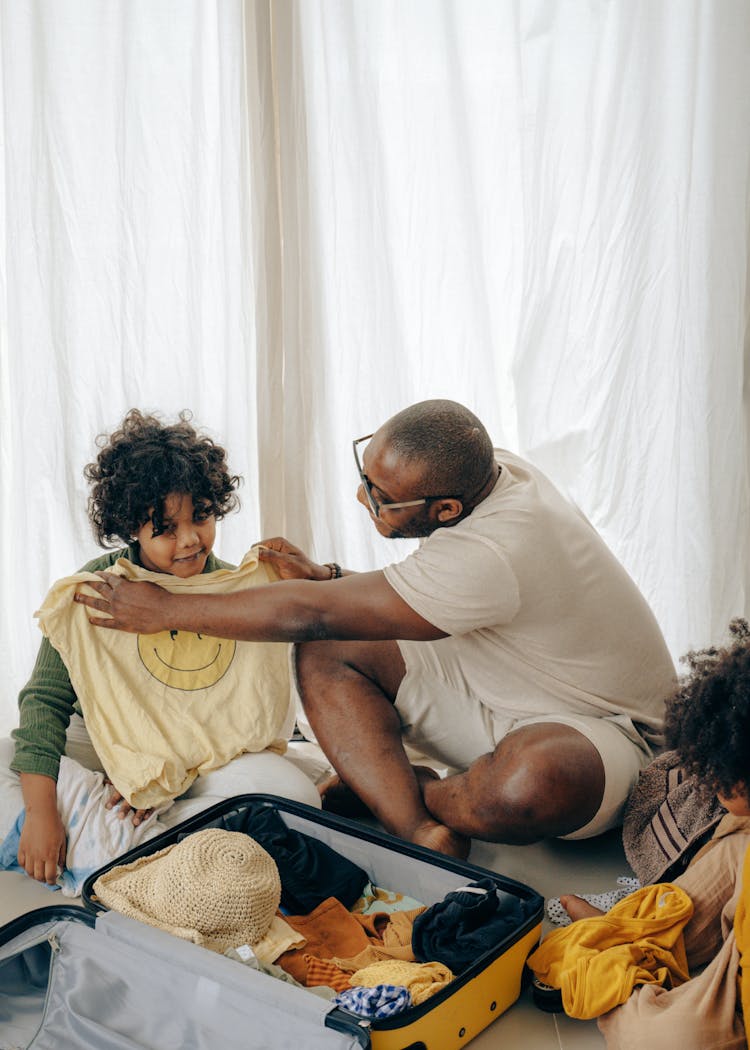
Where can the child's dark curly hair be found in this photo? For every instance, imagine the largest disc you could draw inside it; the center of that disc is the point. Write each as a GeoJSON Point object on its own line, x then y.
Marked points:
{"type": "Point", "coordinates": [145, 460]}
{"type": "Point", "coordinates": [708, 717]}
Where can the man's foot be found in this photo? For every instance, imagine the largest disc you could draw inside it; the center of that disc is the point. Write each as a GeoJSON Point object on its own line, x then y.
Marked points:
{"type": "Point", "coordinates": [443, 840]}
{"type": "Point", "coordinates": [424, 774]}
{"type": "Point", "coordinates": [437, 836]}
{"type": "Point", "coordinates": [337, 798]}
{"type": "Point", "coordinates": [578, 908]}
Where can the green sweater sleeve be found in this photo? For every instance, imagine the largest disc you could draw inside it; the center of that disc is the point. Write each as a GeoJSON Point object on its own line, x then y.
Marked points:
{"type": "Point", "coordinates": [48, 699]}
{"type": "Point", "coordinates": [45, 704]}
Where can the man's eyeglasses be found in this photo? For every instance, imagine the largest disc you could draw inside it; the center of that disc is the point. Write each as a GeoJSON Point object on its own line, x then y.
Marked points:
{"type": "Point", "coordinates": [375, 504]}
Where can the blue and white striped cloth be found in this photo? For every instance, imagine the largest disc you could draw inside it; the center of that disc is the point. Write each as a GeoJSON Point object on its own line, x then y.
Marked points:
{"type": "Point", "coordinates": [384, 1000]}
{"type": "Point", "coordinates": [96, 835]}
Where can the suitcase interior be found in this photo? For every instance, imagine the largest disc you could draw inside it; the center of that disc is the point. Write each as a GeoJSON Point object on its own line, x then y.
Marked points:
{"type": "Point", "coordinates": [474, 999]}
{"type": "Point", "coordinates": [24, 974]}
{"type": "Point", "coordinates": [70, 980]}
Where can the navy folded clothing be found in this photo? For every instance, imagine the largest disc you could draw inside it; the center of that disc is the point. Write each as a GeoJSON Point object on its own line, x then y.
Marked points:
{"type": "Point", "coordinates": [465, 924]}
{"type": "Point", "coordinates": [310, 871]}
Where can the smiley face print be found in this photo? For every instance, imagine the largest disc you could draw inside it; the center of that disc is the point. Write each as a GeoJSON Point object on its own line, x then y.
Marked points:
{"type": "Point", "coordinates": [183, 660]}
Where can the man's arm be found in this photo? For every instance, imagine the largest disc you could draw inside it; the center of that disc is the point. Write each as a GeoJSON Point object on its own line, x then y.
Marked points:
{"type": "Point", "coordinates": [291, 563]}
{"type": "Point", "coordinates": [362, 606]}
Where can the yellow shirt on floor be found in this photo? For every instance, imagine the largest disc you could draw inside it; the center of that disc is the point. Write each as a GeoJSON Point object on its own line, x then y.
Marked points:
{"type": "Point", "coordinates": [597, 962]}
{"type": "Point", "coordinates": [162, 708]}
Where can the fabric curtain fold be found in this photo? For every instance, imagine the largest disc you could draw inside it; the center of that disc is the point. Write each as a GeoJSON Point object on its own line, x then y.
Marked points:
{"type": "Point", "coordinates": [294, 218]}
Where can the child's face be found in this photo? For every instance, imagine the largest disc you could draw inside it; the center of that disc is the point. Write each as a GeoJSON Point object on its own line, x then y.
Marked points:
{"type": "Point", "coordinates": [737, 803]}
{"type": "Point", "coordinates": [184, 546]}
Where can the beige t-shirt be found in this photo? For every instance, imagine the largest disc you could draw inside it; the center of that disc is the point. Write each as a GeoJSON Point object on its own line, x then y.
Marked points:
{"type": "Point", "coordinates": [162, 708]}
{"type": "Point", "coordinates": [542, 617]}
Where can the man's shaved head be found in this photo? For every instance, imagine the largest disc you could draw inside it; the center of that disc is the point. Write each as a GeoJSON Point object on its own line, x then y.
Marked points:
{"type": "Point", "coordinates": [449, 440]}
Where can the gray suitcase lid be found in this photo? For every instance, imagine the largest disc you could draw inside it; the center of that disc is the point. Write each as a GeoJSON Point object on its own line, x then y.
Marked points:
{"type": "Point", "coordinates": [119, 984]}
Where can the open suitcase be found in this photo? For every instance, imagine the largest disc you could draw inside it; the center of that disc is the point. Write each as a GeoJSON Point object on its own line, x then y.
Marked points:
{"type": "Point", "coordinates": [75, 978]}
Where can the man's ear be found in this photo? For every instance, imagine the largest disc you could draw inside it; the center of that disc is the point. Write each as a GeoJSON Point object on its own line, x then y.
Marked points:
{"type": "Point", "coordinates": [449, 510]}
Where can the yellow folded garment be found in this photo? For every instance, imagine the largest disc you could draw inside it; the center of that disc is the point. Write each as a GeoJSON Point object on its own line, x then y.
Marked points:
{"type": "Point", "coordinates": [162, 708]}
{"type": "Point", "coordinates": [279, 939]}
{"type": "Point", "coordinates": [422, 979]}
{"type": "Point", "coordinates": [400, 926]}
{"type": "Point", "coordinates": [374, 953]}
{"type": "Point", "coordinates": [597, 962]}
{"type": "Point", "coordinates": [396, 943]}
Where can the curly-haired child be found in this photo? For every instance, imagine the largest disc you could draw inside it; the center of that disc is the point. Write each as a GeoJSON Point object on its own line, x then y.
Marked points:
{"type": "Point", "coordinates": [708, 725]}
{"type": "Point", "coordinates": [159, 489]}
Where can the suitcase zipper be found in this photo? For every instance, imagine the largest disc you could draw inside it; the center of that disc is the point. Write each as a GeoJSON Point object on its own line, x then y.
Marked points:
{"type": "Point", "coordinates": [55, 949]}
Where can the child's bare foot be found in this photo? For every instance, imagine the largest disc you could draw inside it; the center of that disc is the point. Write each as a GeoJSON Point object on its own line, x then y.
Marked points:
{"type": "Point", "coordinates": [578, 908]}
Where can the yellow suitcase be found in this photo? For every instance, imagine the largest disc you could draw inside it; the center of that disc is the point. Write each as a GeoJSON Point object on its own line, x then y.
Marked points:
{"type": "Point", "coordinates": [453, 1016]}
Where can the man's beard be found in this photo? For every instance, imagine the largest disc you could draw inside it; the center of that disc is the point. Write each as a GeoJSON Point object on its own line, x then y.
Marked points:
{"type": "Point", "coordinates": [416, 530]}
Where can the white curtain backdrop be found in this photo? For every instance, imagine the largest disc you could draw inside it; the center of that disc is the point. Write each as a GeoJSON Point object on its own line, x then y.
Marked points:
{"type": "Point", "coordinates": [132, 230]}
{"type": "Point", "coordinates": [295, 217]}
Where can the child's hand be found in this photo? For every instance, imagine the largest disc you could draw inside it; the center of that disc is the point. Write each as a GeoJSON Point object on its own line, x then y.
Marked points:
{"type": "Point", "coordinates": [290, 562]}
{"type": "Point", "coordinates": [116, 799]}
{"type": "Point", "coordinates": [41, 849]}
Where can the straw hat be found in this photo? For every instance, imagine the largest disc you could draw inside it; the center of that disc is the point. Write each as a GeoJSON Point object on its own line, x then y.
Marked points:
{"type": "Point", "coordinates": [216, 888]}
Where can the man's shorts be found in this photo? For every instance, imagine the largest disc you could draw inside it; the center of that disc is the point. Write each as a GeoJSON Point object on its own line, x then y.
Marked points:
{"type": "Point", "coordinates": [453, 730]}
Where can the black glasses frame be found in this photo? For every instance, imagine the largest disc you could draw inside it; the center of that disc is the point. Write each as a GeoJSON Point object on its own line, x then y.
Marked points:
{"type": "Point", "coordinates": [375, 504]}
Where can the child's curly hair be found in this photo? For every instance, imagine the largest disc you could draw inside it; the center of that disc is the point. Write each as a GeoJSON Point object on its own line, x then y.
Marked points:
{"type": "Point", "coordinates": [708, 717]}
{"type": "Point", "coordinates": [141, 463]}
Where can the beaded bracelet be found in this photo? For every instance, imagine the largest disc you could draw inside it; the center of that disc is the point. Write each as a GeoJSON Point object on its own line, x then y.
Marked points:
{"type": "Point", "coordinates": [335, 570]}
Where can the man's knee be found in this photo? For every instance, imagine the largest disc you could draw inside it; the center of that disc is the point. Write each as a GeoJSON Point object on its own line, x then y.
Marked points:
{"type": "Point", "coordinates": [516, 808]}
{"type": "Point", "coordinates": [557, 781]}
{"type": "Point", "coordinates": [522, 817]}
{"type": "Point", "coordinates": [319, 666]}
{"type": "Point", "coordinates": [539, 783]}
{"type": "Point", "coordinates": [308, 659]}
{"type": "Point", "coordinates": [311, 660]}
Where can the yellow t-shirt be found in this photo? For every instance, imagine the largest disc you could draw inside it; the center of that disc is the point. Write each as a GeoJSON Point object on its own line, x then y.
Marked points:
{"type": "Point", "coordinates": [597, 962]}
{"type": "Point", "coordinates": [162, 708]}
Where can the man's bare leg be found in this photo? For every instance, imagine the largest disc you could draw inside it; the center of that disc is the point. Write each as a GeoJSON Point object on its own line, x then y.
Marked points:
{"type": "Point", "coordinates": [348, 690]}
{"type": "Point", "coordinates": [338, 798]}
{"type": "Point", "coordinates": [541, 781]}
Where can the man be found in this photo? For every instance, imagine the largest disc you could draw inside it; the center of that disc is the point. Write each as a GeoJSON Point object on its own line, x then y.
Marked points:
{"type": "Point", "coordinates": [511, 647]}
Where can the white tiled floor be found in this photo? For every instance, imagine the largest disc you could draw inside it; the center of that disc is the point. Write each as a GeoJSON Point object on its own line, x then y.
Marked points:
{"type": "Point", "coordinates": [551, 868]}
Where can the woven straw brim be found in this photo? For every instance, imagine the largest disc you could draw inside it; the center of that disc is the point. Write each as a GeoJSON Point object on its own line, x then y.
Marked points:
{"type": "Point", "coordinates": [219, 889]}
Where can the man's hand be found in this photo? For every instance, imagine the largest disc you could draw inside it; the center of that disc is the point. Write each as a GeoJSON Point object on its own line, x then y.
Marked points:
{"type": "Point", "coordinates": [140, 608]}
{"type": "Point", "coordinates": [290, 562]}
{"type": "Point", "coordinates": [41, 849]}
